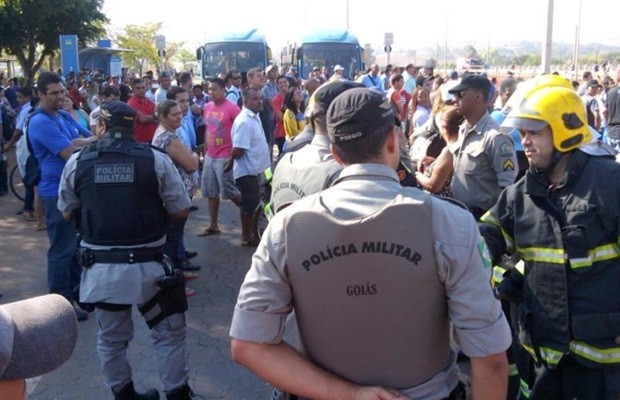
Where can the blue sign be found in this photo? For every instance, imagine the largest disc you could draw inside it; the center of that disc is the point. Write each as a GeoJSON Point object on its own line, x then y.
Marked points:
{"type": "Point", "coordinates": [69, 54]}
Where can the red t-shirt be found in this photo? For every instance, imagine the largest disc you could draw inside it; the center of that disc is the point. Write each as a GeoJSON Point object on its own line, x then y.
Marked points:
{"type": "Point", "coordinates": [401, 97]}
{"type": "Point", "coordinates": [143, 132]}
{"type": "Point", "coordinates": [277, 107]}
{"type": "Point", "coordinates": [219, 120]}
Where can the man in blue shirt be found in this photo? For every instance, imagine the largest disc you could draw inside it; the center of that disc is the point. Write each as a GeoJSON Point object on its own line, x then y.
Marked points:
{"type": "Point", "coordinates": [372, 80]}
{"type": "Point", "coordinates": [54, 136]}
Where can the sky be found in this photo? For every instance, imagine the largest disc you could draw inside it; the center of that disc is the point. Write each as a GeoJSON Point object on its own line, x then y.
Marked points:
{"type": "Point", "coordinates": [415, 24]}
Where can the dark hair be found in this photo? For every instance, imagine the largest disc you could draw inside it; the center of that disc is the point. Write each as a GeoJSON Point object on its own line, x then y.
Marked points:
{"type": "Point", "coordinates": [173, 91]}
{"type": "Point", "coordinates": [282, 77]}
{"type": "Point", "coordinates": [184, 78]}
{"type": "Point", "coordinates": [197, 86]}
{"type": "Point", "coordinates": [289, 103]}
{"type": "Point", "coordinates": [46, 79]}
{"type": "Point", "coordinates": [395, 78]}
{"type": "Point", "coordinates": [110, 91]}
{"type": "Point", "coordinates": [365, 148]}
{"type": "Point", "coordinates": [25, 91]}
{"type": "Point", "coordinates": [137, 81]}
{"type": "Point", "coordinates": [247, 92]}
{"type": "Point", "coordinates": [218, 81]}
{"type": "Point", "coordinates": [163, 108]}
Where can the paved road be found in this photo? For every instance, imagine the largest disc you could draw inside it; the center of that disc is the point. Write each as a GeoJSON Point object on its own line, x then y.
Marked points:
{"type": "Point", "coordinates": [224, 263]}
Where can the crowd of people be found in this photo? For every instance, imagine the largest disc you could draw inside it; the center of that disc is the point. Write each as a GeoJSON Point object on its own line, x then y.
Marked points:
{"type": "Point", "coordinates": [508, 181]}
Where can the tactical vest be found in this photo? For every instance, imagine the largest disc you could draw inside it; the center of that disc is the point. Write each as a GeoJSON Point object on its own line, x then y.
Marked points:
{"type": "Point", "coordinates": [369, 303]}
{"type": "Point", "coordinates": [290, 182]}
{"type": "Point", "coordinates": [118, 188]}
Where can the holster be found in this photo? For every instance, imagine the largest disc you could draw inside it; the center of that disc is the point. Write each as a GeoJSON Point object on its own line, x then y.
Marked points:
{"type": "Point", "coordinates": [170, 298]}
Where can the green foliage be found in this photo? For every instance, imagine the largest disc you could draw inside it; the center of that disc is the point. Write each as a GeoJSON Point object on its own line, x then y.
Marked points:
{"type": "Point", "coordinates": [140, 39]}
{"type": "Point", "coordinates": [494, 57]}
{"type": "Point", "coordinates": [470, 51]}
{"type": "Point", "coordinates": [30, 29]}
{"type": "Point", "coordinates": [186, 56]}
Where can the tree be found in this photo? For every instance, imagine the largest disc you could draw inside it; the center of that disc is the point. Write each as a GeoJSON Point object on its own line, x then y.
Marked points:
{"type": "Point", "coordinates": [140, 39]}
{"type": "Point", "coordinates": [186, 56]}
{"type": "Point", "coordinates": [30, 29]}
{"type": "Point", "coordinates": [470, 51]}
{"type": "Point", "coordinates": [370, 55]}
{"type": "Point", "coordinates": [172, 50]}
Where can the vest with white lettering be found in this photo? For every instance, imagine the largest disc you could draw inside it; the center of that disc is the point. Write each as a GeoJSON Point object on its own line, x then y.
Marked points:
{"type": "Point", "coordinates": [369, 303]}
{"type": "Point", "coordinates": [119, 192]}
{"type": "Point", "coordinates": [290, 182]}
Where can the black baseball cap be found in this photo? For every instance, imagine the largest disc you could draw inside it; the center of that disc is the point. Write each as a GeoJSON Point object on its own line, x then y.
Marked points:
{"type": "Point", "coordinates": [117, 114]}
{"type": "Point", "coordinates": [356, 113]}
{"type": "Point", "coordinates": [471, 81]}
{"type": "Point", "coordinates": [325, 94]}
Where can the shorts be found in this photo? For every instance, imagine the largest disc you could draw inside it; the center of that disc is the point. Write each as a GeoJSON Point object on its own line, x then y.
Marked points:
{"type": "Point", "coordinates": [217, 183]}
{"type": "Point", "coordinates": [249, 187]}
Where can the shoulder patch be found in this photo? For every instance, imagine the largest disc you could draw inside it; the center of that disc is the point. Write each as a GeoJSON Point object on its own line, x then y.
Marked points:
{"type": "Point", "coordinates": [484, 254]}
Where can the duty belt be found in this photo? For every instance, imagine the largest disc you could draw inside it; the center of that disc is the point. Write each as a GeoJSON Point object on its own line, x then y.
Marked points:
{"type": "Point", "coordinates": [89, 257]}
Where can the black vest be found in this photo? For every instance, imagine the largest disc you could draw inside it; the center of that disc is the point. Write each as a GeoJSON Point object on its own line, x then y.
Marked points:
{"type": "Point", "coordinates": [116, 182]}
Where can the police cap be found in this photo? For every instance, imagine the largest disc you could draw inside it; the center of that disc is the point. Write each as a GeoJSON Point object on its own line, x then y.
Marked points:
{"type": "Point", "coordinates": [117, 114]}
{"type": "Point", "coordinates": [357, 113]}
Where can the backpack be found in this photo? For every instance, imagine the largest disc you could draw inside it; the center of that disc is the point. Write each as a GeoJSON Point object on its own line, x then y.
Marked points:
{"type": "Point", "coordinates": [239, 99]}
{"type": "Point", "coordinates": [8, 123]}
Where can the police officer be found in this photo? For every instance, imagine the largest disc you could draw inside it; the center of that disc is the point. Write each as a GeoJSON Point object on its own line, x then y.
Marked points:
{"type": "Point", "coordinates": [311, 168]}
{"type": "Point", "coordinates": [122, 194]}
{"type": "Point", "coordinates": [373, 294]}
{"type": "Point", "coordinates": [562, 221]}
{"type": "Point", "coordinates": [484, 159]}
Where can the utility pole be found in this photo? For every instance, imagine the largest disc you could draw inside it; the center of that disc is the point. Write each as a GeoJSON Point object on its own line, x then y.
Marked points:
{"type": "Point", "coordinates": [547, 48]}
{"type": "Point", "coordinates": [576, 50]}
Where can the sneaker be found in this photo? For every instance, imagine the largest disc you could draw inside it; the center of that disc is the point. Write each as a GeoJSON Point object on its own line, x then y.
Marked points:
{"type": "Point", "coordinates": [129, 393]}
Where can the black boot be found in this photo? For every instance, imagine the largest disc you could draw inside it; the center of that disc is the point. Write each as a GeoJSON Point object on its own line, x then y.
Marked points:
{"type": "Point", "coordinates": [129, 393]}
{"type": "Point", "coordinates": [182, 393]}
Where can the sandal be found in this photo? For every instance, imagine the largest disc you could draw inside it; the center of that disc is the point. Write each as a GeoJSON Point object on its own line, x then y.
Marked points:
{"type": "Point", "coordinates": [190, 276]}
{"type": "Point", "coordinates": [29, 215]}
{"type": "Point", "coordinates": [250, 243]}
{"type": "Point", "coordinates": [209, 232]}
{"type": "Point", "coordinates": [41, 227]}
{"type": "Point", "coordinates": [190, 292]}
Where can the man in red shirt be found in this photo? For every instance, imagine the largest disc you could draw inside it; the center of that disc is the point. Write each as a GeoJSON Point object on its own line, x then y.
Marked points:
{"type": "Point", "coordinates": [146, 123]}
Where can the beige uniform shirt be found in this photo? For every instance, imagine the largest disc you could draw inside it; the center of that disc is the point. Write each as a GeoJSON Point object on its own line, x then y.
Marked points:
{"type": "Point", "coordinates": [485, 162]}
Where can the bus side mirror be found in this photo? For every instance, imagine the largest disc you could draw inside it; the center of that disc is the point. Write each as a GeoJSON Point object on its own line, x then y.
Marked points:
{"type": "Point", "coordinates": [199, 53]}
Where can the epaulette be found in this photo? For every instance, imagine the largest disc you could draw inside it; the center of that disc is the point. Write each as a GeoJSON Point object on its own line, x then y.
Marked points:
{"type": "Point", "coordinates": [451, 200]}
{"type": "Point", "coordinates": [157, 148]}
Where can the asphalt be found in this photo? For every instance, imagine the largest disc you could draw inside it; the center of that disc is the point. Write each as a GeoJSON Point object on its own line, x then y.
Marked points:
{"type": "Point", "coordinates": [23, 274]}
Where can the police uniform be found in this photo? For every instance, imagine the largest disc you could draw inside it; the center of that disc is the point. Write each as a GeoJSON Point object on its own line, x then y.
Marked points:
{"type": "Point", "coordinates": [484, 163]}
{"type": "Point", "coordinates": [350, 270]}
{"type": "Point", "coordinates": [303, 172]}
{"type": "Point", "coordinates": [113, 176]}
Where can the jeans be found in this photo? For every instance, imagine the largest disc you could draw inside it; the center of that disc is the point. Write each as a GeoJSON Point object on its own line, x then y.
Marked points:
{"type": "Point", "coordinates": [29, 198]}
{"type": "Point", "coordinates": [63, 269]}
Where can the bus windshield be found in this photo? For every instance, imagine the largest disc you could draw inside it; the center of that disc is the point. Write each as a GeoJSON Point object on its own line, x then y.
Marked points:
{"type": "Point", "coordinates": [224, 57]}
{"type": "Point", "coordinates": [346, 55]}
